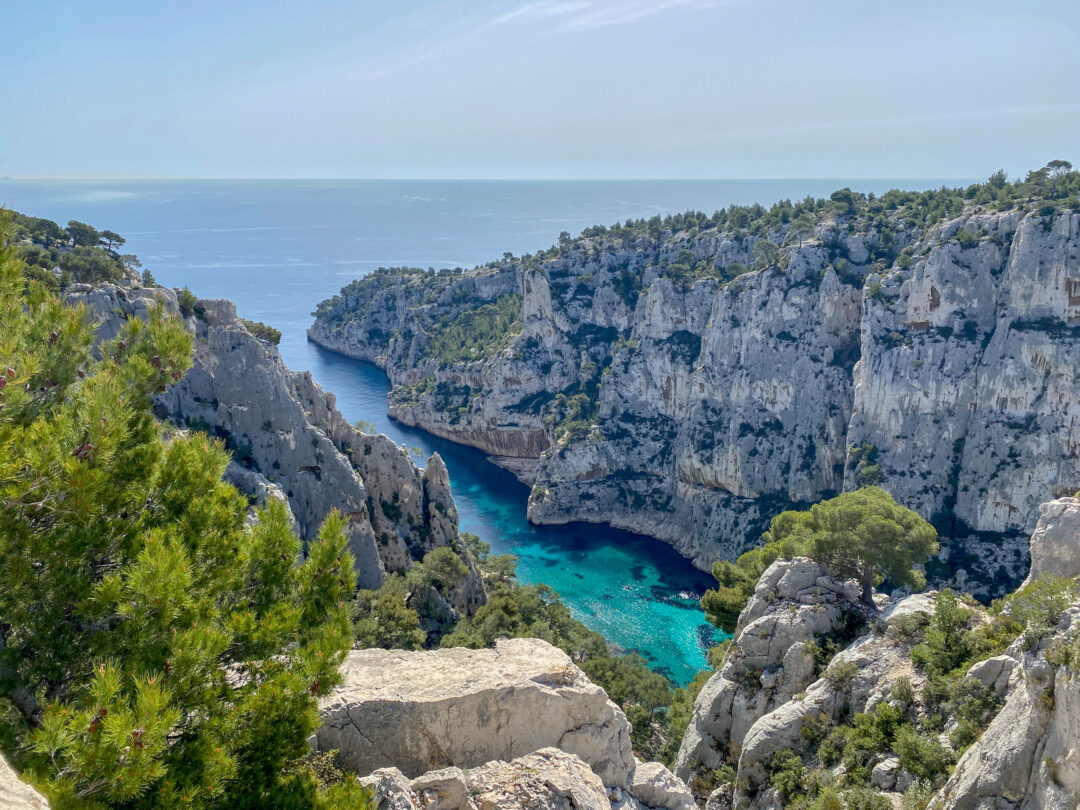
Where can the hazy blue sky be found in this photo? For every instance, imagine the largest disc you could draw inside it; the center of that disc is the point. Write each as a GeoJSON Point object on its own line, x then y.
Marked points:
{"type": "Point", "coordinates": [538, 88]}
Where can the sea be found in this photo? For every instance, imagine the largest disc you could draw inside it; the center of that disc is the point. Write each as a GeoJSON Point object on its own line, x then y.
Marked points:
{"type": "Point", "coordinates": [278, 247]}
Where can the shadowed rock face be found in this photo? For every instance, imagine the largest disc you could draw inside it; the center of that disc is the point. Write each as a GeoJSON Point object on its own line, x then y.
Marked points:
{"type": "Point", "coordinates": [952, 379]}
{"type": "Point", "coordinates": [419, 711]}
{"type": "Point", "coordinates": [16, 794]}
{"type": "Point", "coordinates": [290, 439]}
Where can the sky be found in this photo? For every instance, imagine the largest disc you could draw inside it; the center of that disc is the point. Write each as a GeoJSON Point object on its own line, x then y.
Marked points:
{"type": "Point", "coordinates": [547, 89]}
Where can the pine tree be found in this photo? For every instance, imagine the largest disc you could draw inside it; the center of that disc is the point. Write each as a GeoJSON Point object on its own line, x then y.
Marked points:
{"type": "Point", "coordinates": [157, 651]}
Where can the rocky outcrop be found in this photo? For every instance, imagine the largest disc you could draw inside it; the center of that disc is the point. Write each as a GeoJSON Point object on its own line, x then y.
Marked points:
{"type": "Point", "coordinates": [548, 779]}
{"type": "Point", "coordinates": [745, 722]}
{"type": "Point", "coordinates": [771, 659]}
{"type": "Point", "coordinates": [288, 438]}
{"type": "Point", "coordinates": [16, 794]}
{"type": "Point", "coordinates": [649, 385]}
{"type": "Point", "coordinates": [654, 785]}
{"type": "Point", "coordinates": [1029, 756]}
{"type": "Point", "coordinates": [515, 726]}
{"type": "Point", "coordinates": [875, 661]}
{"type": "Point", "coordinates": [419, 711]}
{"type": "Point", "coordinates": [1055, 545]}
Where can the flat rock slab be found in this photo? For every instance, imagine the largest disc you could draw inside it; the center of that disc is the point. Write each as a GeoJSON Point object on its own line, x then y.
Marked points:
{"type": "Point", "coordinates": [421, 711]}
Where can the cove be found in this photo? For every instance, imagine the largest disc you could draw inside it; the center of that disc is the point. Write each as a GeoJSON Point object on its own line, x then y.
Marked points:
{"type": "Point", "coordinates": [277, 248]}
{"type": "Point", "coordinates": [636, 591]}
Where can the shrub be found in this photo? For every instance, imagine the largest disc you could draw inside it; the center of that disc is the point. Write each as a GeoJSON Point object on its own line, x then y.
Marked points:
{"type": "Point", "coordinates": [262, 331]}
{"type": "Point", "coordinates": [1039, 605]}
{"type": "Point", "coordinates": [922, 756]}
{"type": "Point", "coordinates": [903, 692]}
{"type": "Point", "coordinates": [910, 627]}
{"type": "Point", "coordinates": [841, 673]}
{"type": "Point", "coordinates": [918, 795]}
{"type": "Point", "coordinates": [786, 772]}
{"type": "Point", "coordinates": [189, 303]}
{"type": "Point", "coordinates": [384, 620]}
{"type": "Point", "coordinates": [967, 239]}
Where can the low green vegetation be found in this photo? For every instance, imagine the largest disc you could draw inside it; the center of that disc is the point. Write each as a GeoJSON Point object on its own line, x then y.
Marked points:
{"type": "Point", "coordinates": [910, 724]}
{"type": "Point", "coordinates": [262, 331]}
{"type": "Point", "coordinates": [476, 334]}
{"type": "Point", "coordinates": [57, 257]}
{"type": "Point", "coordinates": [188, 303]}
{"type": "Point", "coordinates": [156, 651]}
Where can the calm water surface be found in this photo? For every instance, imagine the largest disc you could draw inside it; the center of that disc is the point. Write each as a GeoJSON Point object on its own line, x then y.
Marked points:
{"type": "Point", "coordinates": [279, 247]}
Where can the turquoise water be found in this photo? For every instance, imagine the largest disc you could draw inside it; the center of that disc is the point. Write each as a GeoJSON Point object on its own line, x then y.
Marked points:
{"type": "Point", "coordinates": [278, 247]}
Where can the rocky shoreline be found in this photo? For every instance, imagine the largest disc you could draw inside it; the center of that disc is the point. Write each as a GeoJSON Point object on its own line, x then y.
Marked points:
{"type": "Point", "coordinates": [699, 409]}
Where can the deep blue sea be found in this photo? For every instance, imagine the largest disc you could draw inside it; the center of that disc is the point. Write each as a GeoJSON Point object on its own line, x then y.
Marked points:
{"type": "Point", "coordinates": [279, 247]}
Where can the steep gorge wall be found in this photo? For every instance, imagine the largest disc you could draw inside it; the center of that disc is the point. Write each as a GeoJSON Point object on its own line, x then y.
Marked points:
{"type": "Point", "coordinates": [287, 435]}
{"type": "Point", "coordinates": [704, 407]}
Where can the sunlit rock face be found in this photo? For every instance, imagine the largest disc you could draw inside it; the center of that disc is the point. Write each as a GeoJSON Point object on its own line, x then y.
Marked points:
{"type": "Point", "coordinates": [949, 376]}
{"type": "Point", "coordinates": [289, 440]}
{"type": "Point", "coordinates": [16, 794]}
{"type": "Point", "coordinates": [420, 711]}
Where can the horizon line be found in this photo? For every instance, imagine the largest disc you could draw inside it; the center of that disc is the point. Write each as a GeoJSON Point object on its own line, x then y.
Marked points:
{"type": "Point", "coordinates": [139, 178]}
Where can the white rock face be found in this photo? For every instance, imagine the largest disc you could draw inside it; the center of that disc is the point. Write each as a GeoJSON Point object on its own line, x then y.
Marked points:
{"type": "Point", "coordinates": [769, 662]}
{"type": "Point", "coordinates": [1055, 545]}
{"type": "Point", "coordinates": [16, 794]}
{"type": "Point", "coordinates": [655, 786]}
{"type": "Point", "coordinates": [291, 440]}
{"type": "Point", "coordinates": [419, 711]}
{"type": "Point", "coordinates": [1029, 756]}
{"type": "Point", "coordinates": [1027, 759]}
{"type": "Point", "coordinates": [717, 405]}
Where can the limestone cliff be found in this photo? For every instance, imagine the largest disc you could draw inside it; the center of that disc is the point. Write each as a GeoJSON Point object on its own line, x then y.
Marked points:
{"type": "Point", "coordinates": [288, 438]}
{"type": "Point", "coordinates": [641, 376]}
{"type": "Point", "coordinates": [768, 701]}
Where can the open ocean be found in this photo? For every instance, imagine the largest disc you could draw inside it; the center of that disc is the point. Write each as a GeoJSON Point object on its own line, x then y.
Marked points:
{"type": "Point", "coordinates": [279, 247]}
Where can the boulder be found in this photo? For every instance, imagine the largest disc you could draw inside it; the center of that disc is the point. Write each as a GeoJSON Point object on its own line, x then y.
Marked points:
{"type": "Point", "coordinates": [419, 711]}
{"type": "Point", "coordinates": [446, 789]}
{"type": "Point", "coordinates": [993, 673]}
{"type": "Point", "coordinates": [547, 779]}
{"type": "Point", "coordinates": [16, 794]}
{"type": "Point", "coordinates": [723, 798]}
{"type": "Point", "coordinates": [392, 790]}
{"type": "Point", "coordinates": [883, 775]}
{"type": "Point", "coordinates": [655, 786]}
